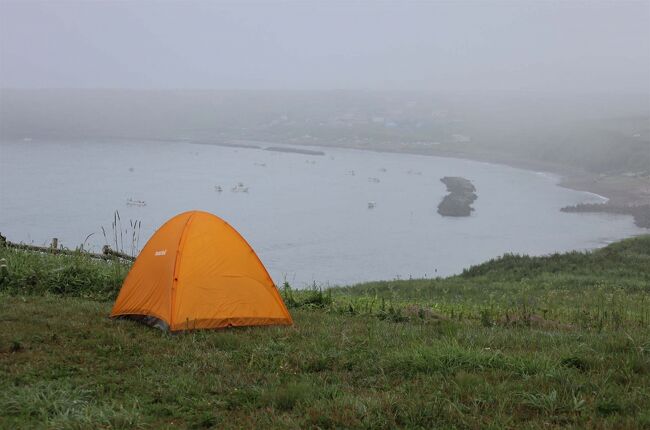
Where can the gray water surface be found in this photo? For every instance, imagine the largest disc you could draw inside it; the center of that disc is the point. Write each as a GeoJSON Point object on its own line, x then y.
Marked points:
{"type": "Point", "coordinates": [307, 216]}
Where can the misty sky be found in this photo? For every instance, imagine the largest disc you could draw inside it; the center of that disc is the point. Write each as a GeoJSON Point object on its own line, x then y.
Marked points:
{"type": "Point", "coordinates": [466, 46]}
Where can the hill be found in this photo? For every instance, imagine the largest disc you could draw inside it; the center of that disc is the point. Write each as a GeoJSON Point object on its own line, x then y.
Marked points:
{"type": "Point", "coordinates": [517, 342]}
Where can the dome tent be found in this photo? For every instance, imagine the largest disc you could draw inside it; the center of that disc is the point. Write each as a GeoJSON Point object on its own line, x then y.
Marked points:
{"type": "Point", "coordinates": [198, 272]}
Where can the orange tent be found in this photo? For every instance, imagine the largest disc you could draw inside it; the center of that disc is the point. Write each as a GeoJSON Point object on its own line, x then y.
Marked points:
{"type": "Point", "coordinates": [197, 272]}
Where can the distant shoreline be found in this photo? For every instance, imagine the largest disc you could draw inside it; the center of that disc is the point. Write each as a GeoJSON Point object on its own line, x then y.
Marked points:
{"type": "Point", "coordinates": [618, 190]}
{"type": "Point", "coordinates": [625, 194]}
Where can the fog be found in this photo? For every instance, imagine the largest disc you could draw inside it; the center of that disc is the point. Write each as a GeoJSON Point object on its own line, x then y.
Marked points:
{"type": "Point", "coordinates": [339, 213]}
{"type": "Point", "coordinates": [166, 106]}
{"type": "Point", "coordinates": [560, 47]}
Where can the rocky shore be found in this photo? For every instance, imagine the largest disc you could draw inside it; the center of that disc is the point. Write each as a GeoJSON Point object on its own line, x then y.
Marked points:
{"type": "Point", "coordinates": [458, 203]}
{"type": "Point", "coordinates": [641, 213]}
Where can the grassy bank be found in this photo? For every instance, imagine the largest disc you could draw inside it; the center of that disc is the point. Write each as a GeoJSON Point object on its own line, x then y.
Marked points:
{"type": "Point", "coordinates": [518, 342]}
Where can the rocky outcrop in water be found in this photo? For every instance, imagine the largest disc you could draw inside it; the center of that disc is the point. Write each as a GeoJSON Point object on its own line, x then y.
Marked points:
{"type": "Point", "coordinates": [641, 213]}
{"type": "Point", "coordinates": [460, 198]}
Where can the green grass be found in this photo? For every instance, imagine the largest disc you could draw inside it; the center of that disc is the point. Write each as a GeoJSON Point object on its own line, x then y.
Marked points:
{"type": "Point", "coordinates": [518, 342]}
{"type": "Point", "coordinates": [34, 273]}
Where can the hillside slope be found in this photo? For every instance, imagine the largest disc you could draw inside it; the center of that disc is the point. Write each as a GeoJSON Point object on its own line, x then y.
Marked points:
{"type": "Point", "coordinates": [518, 342]}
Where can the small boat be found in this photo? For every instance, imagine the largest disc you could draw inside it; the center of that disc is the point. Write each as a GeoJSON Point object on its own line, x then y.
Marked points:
{"type": "Point", "coordinates": [218, 188]}
{"type": "Point", "coordinates": [371, 205]}
{"type": "Point", "coordinates": [133, 202]}
{"type": "Point", "coordinates": [239, 188]}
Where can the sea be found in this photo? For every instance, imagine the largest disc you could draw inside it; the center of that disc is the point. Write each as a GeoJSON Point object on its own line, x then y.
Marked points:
{"type": "Point", "coordinates": [338, 218]}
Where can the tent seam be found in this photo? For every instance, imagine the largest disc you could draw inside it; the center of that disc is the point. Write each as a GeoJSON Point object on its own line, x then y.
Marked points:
{"type": "Point", "coordinates": [177, 262]}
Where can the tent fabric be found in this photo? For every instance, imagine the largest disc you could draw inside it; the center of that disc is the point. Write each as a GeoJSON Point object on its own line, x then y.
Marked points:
{"type": "Point", "coordinates": [198, 272]}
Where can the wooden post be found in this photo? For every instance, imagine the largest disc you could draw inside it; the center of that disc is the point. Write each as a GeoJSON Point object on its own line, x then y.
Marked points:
{"type": "Point", "coordinates": [4, 270]}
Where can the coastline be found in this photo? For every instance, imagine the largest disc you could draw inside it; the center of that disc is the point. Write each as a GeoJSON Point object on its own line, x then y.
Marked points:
{"type": "Point", "coordinates": [616, 190]}
{"type": "Point", "coordinates": [613, 189]}
{"type": "Point", "coordinates": [621, 194]}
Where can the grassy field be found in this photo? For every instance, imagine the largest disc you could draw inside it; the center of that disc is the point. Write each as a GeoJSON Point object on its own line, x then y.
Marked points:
{"type": "Point", "coordinates": [517, 342]}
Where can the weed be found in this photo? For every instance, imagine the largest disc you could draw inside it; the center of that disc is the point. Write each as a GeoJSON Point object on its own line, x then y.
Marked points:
{"type": "Point", "coordinates": [15, 346]}
{"type": "Point", "coordinates": [575, 362]}
{"type": "Point", "coordinates": [609, 407]}
{"type": "Point", "coordinates": [520, 342]}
